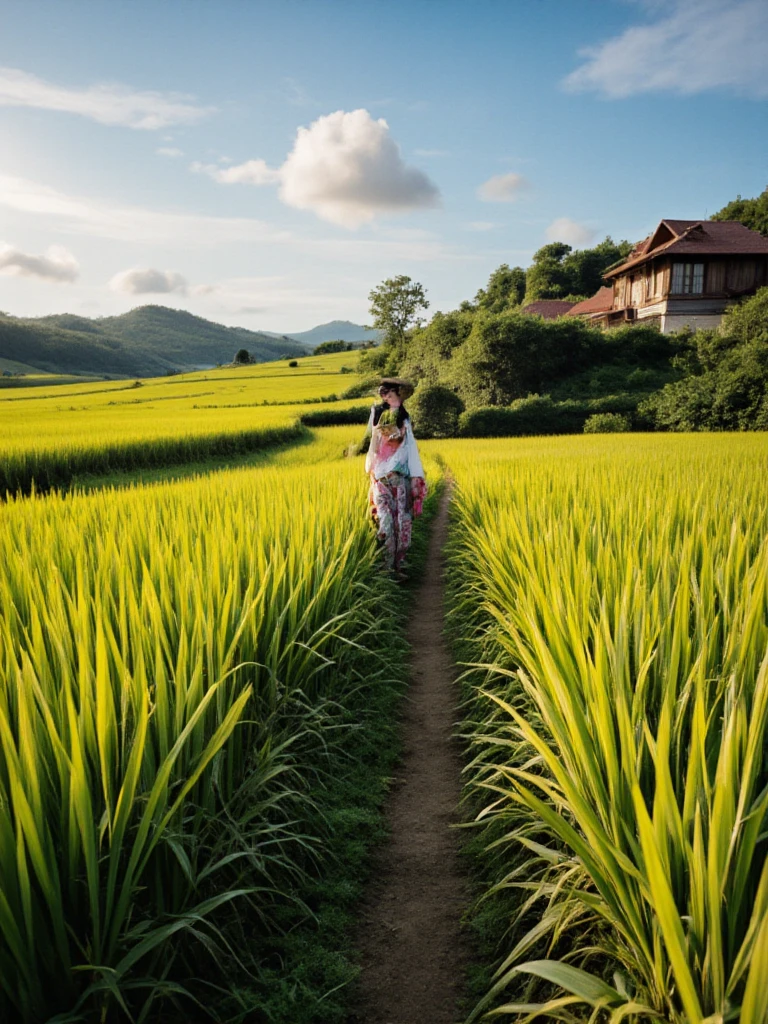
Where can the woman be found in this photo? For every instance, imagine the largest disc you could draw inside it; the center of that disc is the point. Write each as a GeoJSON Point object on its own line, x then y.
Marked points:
{"type": "Point", "coordinates": [397, 480]}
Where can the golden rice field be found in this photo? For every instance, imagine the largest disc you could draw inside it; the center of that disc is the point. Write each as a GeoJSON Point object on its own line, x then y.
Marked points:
{"type": "Point", "coordinates": [51, 434]}
{"type": "Point", "coordinates": [179, 660]}
{"type": "Point", "coordinates": [175, 661]}
{"type": "Point", "coordinates": [612, 593]}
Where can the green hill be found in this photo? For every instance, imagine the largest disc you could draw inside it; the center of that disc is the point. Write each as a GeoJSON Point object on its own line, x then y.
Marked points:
{"type": "Point", "coordinates": [147, 341]}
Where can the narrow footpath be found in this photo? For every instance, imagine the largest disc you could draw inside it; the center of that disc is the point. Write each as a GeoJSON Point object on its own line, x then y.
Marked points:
{"type": "Point", "coordinates": [413, 954]}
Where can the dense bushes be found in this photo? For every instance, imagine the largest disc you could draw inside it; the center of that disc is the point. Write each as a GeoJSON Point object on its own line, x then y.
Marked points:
{"type": "Point", "coordinates": [336, 417]}
{"type": "Point", "coordinates": [726, 387]}
{"type": "Point", "coordinates": [607, 423]}
{"type": "Point", "coordinates": [536, 414]}
{"type": "Point", "coordinates": [435, 411]}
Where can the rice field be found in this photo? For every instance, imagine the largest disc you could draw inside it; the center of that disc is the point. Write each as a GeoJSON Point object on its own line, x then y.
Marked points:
{"type": "Point", "coordinates": [611, 595]}
{"type": "Point", "coordinates": [180, 663]}
{"type": "Point", "coordinates": [50, 435]}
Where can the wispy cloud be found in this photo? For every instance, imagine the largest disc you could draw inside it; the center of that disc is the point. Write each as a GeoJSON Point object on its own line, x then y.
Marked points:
{"type": "Point", "coordinates": [503, 188]}
{"type": "Point", "coordinates": [699, 45]}
{"type": "Point", "coordinates": [170, 151]}
{"type": "Point", "coordinates": [345, 167]}
{"type": "Point", "coordinates": [78, 215]}
{"type": "Point", "coordinates": [108, 103]}
{"type": "Point", "coordinates": [566, 230]}
{"type": "Point", "coordinates": [431, 152]}
{"type": "Point", "coordinates": [252, 172]}
{"type": "Point", "coordinates": [147, 280]}
{"type": "Point", "coordinates": [58, 264]}
{"type": "Point", "coordinates": [480, 225]}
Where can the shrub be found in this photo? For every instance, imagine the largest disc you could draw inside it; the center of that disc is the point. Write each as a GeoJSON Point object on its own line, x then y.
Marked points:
{"type": "Point", "coordinates": [293, 362]}
{"type": "Point", "coordinates": [363, 388]}
{"type": "Point", "coordinates": [607, 423]}
{"type": "Point", "coordinates": [336, 417]}
{"type": "Point", "coordinates": [435, 411]}
{"type": "Point", "coordinates": [536, 414]}
{"type": "Point", "coordinates": [242, 356]}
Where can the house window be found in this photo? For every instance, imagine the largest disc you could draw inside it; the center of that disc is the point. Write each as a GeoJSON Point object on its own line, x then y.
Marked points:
{"type": "Point", "coordinates": [687, 278]}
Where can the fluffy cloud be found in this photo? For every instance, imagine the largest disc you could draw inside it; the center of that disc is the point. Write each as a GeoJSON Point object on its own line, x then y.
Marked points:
{"type": "Point", "coordinates": [566, 230]}
{"type": "Point", "coordinates": [58, 264]}
{"type": "Point", "coordinates": [252, 172]}
{"type": "Point", "coordinates": [503, 188]}
{"type": "Point", "coordinates": [345, 167]}
{"type": "Point", "coordinates": [701, 44]}
{"type": "Point", "coordinates": [147, 281]}
{"type": "Point", "coordinates": [108, 103]}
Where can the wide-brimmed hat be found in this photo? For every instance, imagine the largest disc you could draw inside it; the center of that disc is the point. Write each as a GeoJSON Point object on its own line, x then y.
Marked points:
{"type": "Point", "coordinates": [404, 387]}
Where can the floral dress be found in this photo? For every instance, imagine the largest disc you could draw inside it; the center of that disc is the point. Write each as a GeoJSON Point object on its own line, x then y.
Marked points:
{"type": "Point", "coordinates": [397, 486]}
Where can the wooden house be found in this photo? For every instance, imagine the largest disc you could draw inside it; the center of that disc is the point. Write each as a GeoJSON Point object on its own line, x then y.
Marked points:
{"type": "Point", "coordinates": [684, 274]}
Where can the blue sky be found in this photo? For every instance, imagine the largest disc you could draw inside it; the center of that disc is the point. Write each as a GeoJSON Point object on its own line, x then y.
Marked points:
{"type": "Point", "coordinates": [267, 164]}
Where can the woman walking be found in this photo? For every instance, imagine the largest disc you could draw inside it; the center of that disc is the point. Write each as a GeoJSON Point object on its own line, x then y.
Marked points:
{"type": "Point", "coordinates": [393, 465]}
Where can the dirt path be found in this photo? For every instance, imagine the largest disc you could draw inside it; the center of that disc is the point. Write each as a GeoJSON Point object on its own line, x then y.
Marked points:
{"type": "Point", "coordinates": [412, 952]}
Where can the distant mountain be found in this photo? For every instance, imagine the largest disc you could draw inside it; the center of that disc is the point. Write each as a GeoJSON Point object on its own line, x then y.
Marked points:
{"type": "Point", "coordinates": [147, 341]}
{"type": "Point", "coordinates": [336, 330]}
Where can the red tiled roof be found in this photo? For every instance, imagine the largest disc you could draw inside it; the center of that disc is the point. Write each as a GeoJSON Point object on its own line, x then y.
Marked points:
{"type": "Point", "coordinates": [550, 309]}
{"type": "Point", "coordinates": [699, 238]}
{"type": "Point", "coordinates": [599, 303]}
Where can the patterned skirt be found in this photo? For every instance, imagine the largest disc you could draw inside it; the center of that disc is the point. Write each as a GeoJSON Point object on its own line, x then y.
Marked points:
{"type": "Point", "coordinates": [391, 508]}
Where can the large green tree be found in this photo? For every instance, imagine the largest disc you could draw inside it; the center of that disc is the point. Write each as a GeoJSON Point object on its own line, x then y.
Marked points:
{"type": "Point", "coordinates": [505, 289]}
{"type": "Point", "coordinates": [396, 307]}
{"type": "Point", "coordinates": [752, 213]}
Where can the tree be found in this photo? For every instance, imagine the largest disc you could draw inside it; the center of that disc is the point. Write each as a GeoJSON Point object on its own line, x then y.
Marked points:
{"type": "Point", "coordinates": [505, 288]}
{"type": "Point", "coordinates": [559, 272]}
{"type": "Point", "coordinates": [395, 307]}
{"type": "Point", "coordinates": [327, 347]}
{"type": "Point", "coordinates": [752, 213]}
{"type": "Point", "coordinates": [546, 277]}
{"type": "Point", "coordinates": [242, 356]}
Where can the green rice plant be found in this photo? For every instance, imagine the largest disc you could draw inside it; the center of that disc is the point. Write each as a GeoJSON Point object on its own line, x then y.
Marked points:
{"type": "Point", "coordinates": [613, 593]}
{"type": "Point", "coordinates": [168, 655]}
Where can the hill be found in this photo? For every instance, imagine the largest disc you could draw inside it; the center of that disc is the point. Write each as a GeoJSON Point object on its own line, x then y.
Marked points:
{"type": "Point", "coordinates": [147, 341]}
{"type": "Point", "coordinates": [336, 330]}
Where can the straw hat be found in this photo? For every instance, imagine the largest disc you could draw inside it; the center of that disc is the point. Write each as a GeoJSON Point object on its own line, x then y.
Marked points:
{"type": "Point", "coordinates": [404, 387]}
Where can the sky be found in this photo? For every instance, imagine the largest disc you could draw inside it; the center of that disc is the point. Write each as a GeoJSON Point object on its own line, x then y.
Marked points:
{"type": "Point", "coordinates": [266, 163]}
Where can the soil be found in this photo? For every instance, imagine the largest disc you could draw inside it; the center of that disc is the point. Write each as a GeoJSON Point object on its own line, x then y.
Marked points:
{"type": "Point", "coordinates": [412, 951]}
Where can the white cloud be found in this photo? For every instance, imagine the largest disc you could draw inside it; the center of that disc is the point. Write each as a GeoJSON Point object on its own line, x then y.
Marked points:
{"type": "Point", "coordinates": [78, 215]}
{"type": "Point", "coordinates": [566, 230]}
{"type": "Point", "coordinates": [503, 188]}
{"type": "Point", "coordinates": [252, 172]}
{"type": "Point", "coordinates": [107, 103]}
{"type": "Point", "coordinates": [701, 44]}
{"type": "Point", "coordinates": [145, 281]}
{"type": "Point", "coordinates": [345, 167]}
{"type": "Point", "coordinates": [169, 151]}
{"type": "Point", "coordinates": [58, 264]}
